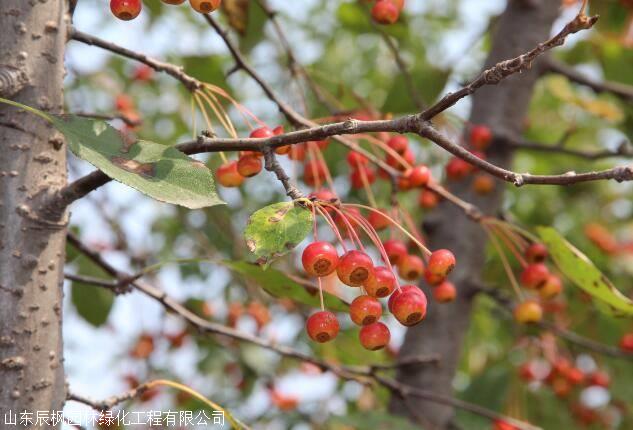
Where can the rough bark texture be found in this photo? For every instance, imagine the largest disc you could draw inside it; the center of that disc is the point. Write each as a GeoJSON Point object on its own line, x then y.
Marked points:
{"type": "Point", "coordinates": [503, 108]}
{"type": "Point", "coordinates": [32, 164]}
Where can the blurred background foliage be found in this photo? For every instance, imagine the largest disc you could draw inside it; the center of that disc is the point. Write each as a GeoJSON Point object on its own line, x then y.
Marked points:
{"type": "Point", "coordinates": [444, 42]}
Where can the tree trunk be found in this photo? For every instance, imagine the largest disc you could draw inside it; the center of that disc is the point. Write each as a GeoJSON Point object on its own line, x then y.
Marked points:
{"type": "Point", "coordinates": [32, 165]}
{"type": "Point", "coordinates": [503, 108]}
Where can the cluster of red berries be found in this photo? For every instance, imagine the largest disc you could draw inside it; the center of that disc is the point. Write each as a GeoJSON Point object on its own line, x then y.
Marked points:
{"type": "Point", "coordinates": [356, 269]}
{"type": "Point", "coordinates": [233, 173]}
{"type": "Point", "coordinates": [457, 169]}
{"type": "Point", "coordinates": [536, 277]}
{"type": "Point", "coordinates": [127, 10]}
{"type": "Point", "coordinates": [387, 11]}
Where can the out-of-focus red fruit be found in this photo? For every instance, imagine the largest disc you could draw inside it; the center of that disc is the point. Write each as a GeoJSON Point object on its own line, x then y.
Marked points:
{"type": "Point", "coordinates": [480, 137]}
{"type": "Point", "coordinates": [360, 176]}
{"type": "Point", "coordinates": [599, 378]}
{"type": "Point", "coordinates": [314, 172]}
{"type": "Point", "coordinates": [378, 221]}
{"type": "Point", "coordinates": [602, 238]}
{"type": "Point", "coordinates": [356, 160]}
{"type": "Point", "coordinates": [411, 268]}
{"type": "Point", "coordinates": [432, 279]}
{"type": "Point", "coordinates": [143, 348]}
{"type": "Point", "coordinates": [527, 312]}
{"type": "Point", "coordinates": [457, 169]}
{"type": "Point", "coordinates": [259, 312]}
{"type": "Point", "coordinates": [535, 276]}
{"type": "Point", "coordinates": [483, 184]}
{"type": "Point", "coordinates": [561, 387]}
{"type": "Point", "coordinates": [228, 175]}
{"type": "Point", "coordinates": [297, 152]}
{"type": "Point", "coordinates": [374, 336]}
{"type": "Point", "coordinates": [418, 176]}
{"type": "Point", "coordinates": [502, 425]}
{"type": "Point", "coordinates": [382, 283]}
{"type": "Point", "coordinates": [283, 402]}
{"type": "Point", "coordinates": [626, 343]}
{"type": "Point", "coordinates": [428, 199]}
{"type": "Point", "coordinates": [123, 103]}
{"type": "Point", "coordinates": [322, 326]}
{"type": "Point", "coordinates": [261, 133]}
{"type": "Point", "coordinates": [575, 376]}
{"type": "Point", "coordinates": [178, 339]}
{"type": "Point", "coordinates": [385, 12]}
{"type": "Point", "coordinates": [551, 288]}
{"type": "Point", "coordinates": [526, 372]}
{"type": "Point", "coordinates": [445, 292]}
{"type": "Point", "coordinates": [536, 253]}
{"type": "Point", "coordinates": [396, 251]}
{"type": "Point", "coordinates": [143, 73]}
{"type": "Point", "coordinates": [399, 143]}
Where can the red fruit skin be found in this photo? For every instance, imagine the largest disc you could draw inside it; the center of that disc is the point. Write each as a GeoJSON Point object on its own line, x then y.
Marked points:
{"type": "Point", "coordinates": [396, 251]}
{"type": "Point", "coordinates": [480, 137]}
{"type": "Point", "coordinates": [411, 268]}
{"type": "Point", "coordinates": [314, 172]}
{"type": "Point", "coordinates": [262, 133]}
{"type": "Point", "coordinates": [385, 12]}
{"type": "Point", "coordinates": [551, 288]}
{"type": "Point", "coordinates": [457, 169]}
{"type": "Point", "coordinates": [319, 259]}
{"type": "Point", "coordinates": [126, 10]}
{"type": "Point", "coordinates": [599, 378]}
{"type": "Point", "coordinates": [526, 373]}
{"type": "Point", "coordinates": [382, 283]}
{"type": "Point", "coordinates": [205, 6]}
{"type": "Point", "coordinates": [249, 165]}
{"type": "Point", "coordinates": [534, 276]}
{"type": "Point", "coordinates": [297, 152]}
{"type": "Point", "coordinates": [409, 308]}
{"type": "Point", "coordinates": [374, 336]}
{"type": "Point", "coordinates": [536, 253]}
{"type": "Point", "coordinates": [418, 176]}
{"type": "Point", "coordinates": [441, 262]}
{"type": "Point", "coordinates": [228, 175]}
{"type": "Point", "coordinates": [365, 310]}
{"type": "Point", "coordinates": [355, 268]}
{"type": "Point", "coordinates": [431, 279]}
{"type": "Point", "coordinates": [527, 312]}
{"type": "Point", "coordinates": [445, 292]}
{"type": "Point", "coordinates": [356, 177]}
{"type": "Point", "coordinates": [322, 326]}
{"type": "Point", "coordinates": [428, 199]}
{"type": "Point", "coordinates": [355, 160]}
{"type": "Point", "coordinates": [483, 184]}
{"type": "Point", "coordinates": [323, 195]}
{"type": "Point", "coordinates": [402, 290]}
{"type": "Point", "coordinates": [575, 376]}
{"type": "Point", "coordinates": [626, 343]}
{"type": "Point", "coordinates": [397, 164]}
{"type": "Point", "coordinates": [399, 143]}
{"type": "Point", "coordinates": [378, 221]}
{"type": "Point", "coordinates": [502, 425]}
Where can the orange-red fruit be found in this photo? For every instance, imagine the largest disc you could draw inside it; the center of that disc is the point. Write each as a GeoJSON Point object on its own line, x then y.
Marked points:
{"type": "Point", "coordinates": [409, 307]}
{"type": "Point", "coordinates": [314, 172]}
{"type": "Point", "coordinates": [143, 73]}
{"type": "Point", "coordinates": [205, 6]}
{"type": "Point", "coordinates": [322, 326]}
{"type": "Point", "coordinates": [261, 133]}
{"type": "Point", "coordinates": [377, 220]}
{"type": "Point", "coordinates": [480, 137]}
{"type": "Point", "coordinates": [319, 259]}
{"type": "Point", "coordinates": [402, 290]}
{"type": "Point", "coordinates": [365, 310]}
{"type": "Point", "coordinates": [534, 276]}
{"type": "Point", "coordinates": [441, 262]}
{"type": "Point", "coordinates": [528, 312]}
{"type": "Point", "coordinates": [126, 10]}
{"type": "Point", "coordinates": [396, 251]}
{"type": "Point", "coordinates": [397, 164]}
{"type": "Point", "coordinates": [323, 194]}
{"type": "Point", "coordinates": [457, 169]}
{"type": "Point", "coordinates": [374, 336]}
{"type": "Point", "coordinates": [418, 176]}
{"type": "Point", "coordinates": [432, 279]}
{"type": "Point", "coordinates": [626, 343]}
{"type": "Point", "coordinates": [526, 372]}
{"type": "Point", "coordinates": [445, 292]}
{"type": "Point", "coordinates": [385, 12]}
{"type": "Point", "coordinates": [356, 159]}
{"type": "Point", "coordinates": [551, 288]}
{"type": "Point", "coordinates": [502, 425]}
{"type": "Point", "coordinates": [382, 283]}
{"type": "Point", "coordinates": [400, 144]}
{"type": "Point", "coordinates": [249, 165]}
{"type": "Point", "coordinates": [575, 376]}
{"type": "Point", "coordinates": [483, 184]}
{"type": "Point", "coordinates": [428, 199]}
{"type": "Point", "coordinates": [411, 268]}
{"type": "Point", "coordinates": [297, 152]}
{"type": "Point", "coordinates": [599, 378]}
{"type": "Point", "coordinates": [228, 175]}
{"type": "Point", "coordinates": [360, 176]}
{"type": "Point", "coordinates": [355, 268]}
{"type": "Point", "coordinates": [536, 253]}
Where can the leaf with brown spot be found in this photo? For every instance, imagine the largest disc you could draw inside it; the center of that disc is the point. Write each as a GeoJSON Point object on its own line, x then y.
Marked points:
{"type": "Point", "coordinates": [275, 230]}
{"type": "Point", "coordinates": [582, 272]}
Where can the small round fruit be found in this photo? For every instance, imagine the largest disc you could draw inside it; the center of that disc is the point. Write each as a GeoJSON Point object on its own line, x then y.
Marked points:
{"type": "Point", "coordinates": [411, 268]}
{"type": "Point", "coordinates": [173, 1]}
{"type": "Point", "coordinates": [402, 290]}
{"type": "Point", "coordinates": [261, 133]}
{"type": "Point", "coordinates": [457, 169]}
{"type": "Point", "coordinates": [378, 221]}
{"type": "Point", "coordinates": [126, 10]}
{"type": "Point", "coordinates": [385, 12]}
{"type": "Point", "coordinates": [445, 292]}
{"type": "Point", "coordinates": [396, 251]}
{"type": "Point", "coordinates": [355, 268]}
{"type": "Point", "coordinates": [599, 378]}
{"type": "Point", "coordinates": [536, 253]}
{"type": "Point", "coordinates": [551, 288]}
{"type": "Point", "coordinates": [374, 336]}
{"type": "Point", "coordinates": [428, 199]}
{"type": "Point", "coordinates": [205, 6]}
{"type": "Point", "coordinates": [502, 425]}
{"type": "Point", "coordinates": [322, 326]}
{"type": "Point", "coordinates": [319, 259]}
{"type": "Point", "coordinates": [365, 310]}
{"type": "Point", "coordinates": [297, 152]}
{"type": "Point", "coordinates": [575, 376]}
{"type": "Point", "coordinates": [418, 176]}
{"type": "Point", "coordinates": [360, 176]}
{"type": "Point", "coordinates": [626, 343]}
{"type": "Point", "coordinates": [431, 279]}
{"type": "Point", "coordinates": [355, 160]}
{"type": "Point", "coordinates": [528, 312]}
{"type": "Point", "coordinates": [409, 308]}
{"type": "Point", "coordinates": [480, 137]}
{"type": "Point", "coordinates": [314, 172]}
{"type": "Point", "coordinates": [382, 283]}
{"type": "Point", "coordinates": [228, 175]}
{"type": "Point", "coordinates": [535, 276]}
{"type": "Point", "coordinates": [441, 262]}
{"type": "Point", "coordinates": [400, 144]}
{"type": "Point", "coordinates": [249, 165]}
{"type": "Point", "coordinates": [483, 184]}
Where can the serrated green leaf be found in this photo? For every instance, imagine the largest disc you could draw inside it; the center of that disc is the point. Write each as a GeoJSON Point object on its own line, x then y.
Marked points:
{"type": "Point", "coordinates": [279, 285]}
{"type": "Point", "coordinates": [276, 229]}
{"type": "Point", "coordinates": [162, 172]}
{"type": "Point", "coordinates": [581, 271]}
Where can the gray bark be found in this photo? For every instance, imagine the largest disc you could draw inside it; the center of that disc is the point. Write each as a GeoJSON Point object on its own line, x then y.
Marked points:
{"type": "Point", "coordinates": [32, 164]}
{"type": "Point", "coordinates": [503, 108]}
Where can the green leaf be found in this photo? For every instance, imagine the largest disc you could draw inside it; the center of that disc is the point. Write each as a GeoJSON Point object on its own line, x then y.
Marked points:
{"type": "Point", "coordinates": [92, 303]}
{"type": "Point", "coordinates": [275, 230]}
{"type": "Point", "coordinates": [279, 285]}
{"type": "Point", "coordinates": [376, 420]}
{"type": "Point", "coordinates": [581, 271]}
{"type": "Point", "coordinates": [162, 172]}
